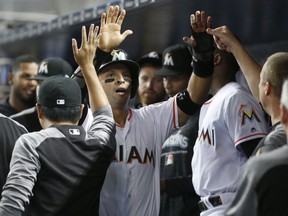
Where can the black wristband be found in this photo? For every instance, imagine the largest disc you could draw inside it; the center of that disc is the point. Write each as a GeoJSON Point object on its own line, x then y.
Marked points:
{"type": "Point", "coordinates": [202, 68]}
{"type": "Point", "coordinates": [185, 103]}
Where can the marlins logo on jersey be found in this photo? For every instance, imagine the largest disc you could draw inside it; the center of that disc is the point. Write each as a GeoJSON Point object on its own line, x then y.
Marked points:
{"type": "Point", "coordinates": [247, 112]}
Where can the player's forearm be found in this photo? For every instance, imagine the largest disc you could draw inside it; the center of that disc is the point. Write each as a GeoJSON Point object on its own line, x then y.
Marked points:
{"type": "Point", "coordinates": [198, 88]}
{"type": "Point", "coordinates": [250, 68]}
{"type": "Point", "coordinates": [97, 96]}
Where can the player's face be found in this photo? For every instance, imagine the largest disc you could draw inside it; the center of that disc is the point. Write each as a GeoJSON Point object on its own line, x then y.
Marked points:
{"type": "Point", "coordinates": [173, 84]}
{"type": "Point", "coordinates": [116, 81]}
{"type": "Point", "coordinates": [150, 89]}
{"type": "Point", "coordinates": [24, 89]}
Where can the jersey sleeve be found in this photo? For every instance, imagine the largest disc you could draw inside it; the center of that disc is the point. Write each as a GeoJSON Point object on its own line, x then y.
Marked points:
{"type": "Point", "coordinates": [244, 118]}
{"type": "Point", "coordinates": [20, 181]}
{"type": "Point", "coordinates": [103, 128]}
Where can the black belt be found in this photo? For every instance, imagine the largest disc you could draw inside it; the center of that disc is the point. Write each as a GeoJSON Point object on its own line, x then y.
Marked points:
{"type": "Point", "coordinates": [214, 200]}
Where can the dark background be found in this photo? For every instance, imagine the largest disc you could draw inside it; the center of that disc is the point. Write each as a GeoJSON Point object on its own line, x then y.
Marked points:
{"type": "Point", "coordinates": [262, 25]}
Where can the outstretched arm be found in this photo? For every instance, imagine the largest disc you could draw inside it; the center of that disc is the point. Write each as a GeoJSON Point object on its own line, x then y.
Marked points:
{"type": "Point", "coordinates": [226, 40]}
{"type": "Point", "coordinates": [84, 57]}
{"type": "Point", "coordinates": [201, 47]}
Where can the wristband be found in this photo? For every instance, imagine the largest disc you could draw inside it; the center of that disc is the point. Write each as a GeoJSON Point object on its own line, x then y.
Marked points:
{"type": "Point", "coordinates": [202, 68]}
{"type": "Point", "coordinates": [185, 103]}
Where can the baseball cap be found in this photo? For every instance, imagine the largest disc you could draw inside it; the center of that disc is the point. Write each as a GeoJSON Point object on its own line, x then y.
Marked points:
{"type": "Point", "coordinates": [120, 56]}
{"type": "Point", "coordinates": [53, 66]}
{"type": "Point", "coordinates": [153, 58]}
{"type": "Point", "coordinates": [176, 60]}
{"type": "Point", "coordinates": [59, 91]}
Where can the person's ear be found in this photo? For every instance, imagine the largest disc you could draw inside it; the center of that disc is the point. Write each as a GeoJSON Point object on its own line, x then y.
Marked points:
{"type": "Point", "coordinates": [39, 111]}
{"type": "Point", "coordinates": [217, 59]}
{"type": "Point", "coordinates": [267, 88]}
{"type": "Point", "coordinates": [81, 110]}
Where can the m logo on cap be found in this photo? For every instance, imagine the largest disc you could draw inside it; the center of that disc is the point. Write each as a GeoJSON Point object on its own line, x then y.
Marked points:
{"type": "Point", "coordinates": [168, 60]}
{"type": "Point", "coordinates": [43, 69]}
{"type": "Point", "coordinates": [118, 55]}
{"type": "Point", "coordinates": [153, 55]}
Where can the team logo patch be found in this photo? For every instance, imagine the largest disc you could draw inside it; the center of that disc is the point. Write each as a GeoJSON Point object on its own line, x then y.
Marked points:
{"type": "Point", "coordinates": [74, 131]}
{"type": "Point", "coordinates": [118, 55]}
{"type": "Point", "coordinates": [60, 102]}
{"type": "Point", "coordinates": [43, 69]}
{"type": "Point", "coordinates": [168, 60]}
{"type": "Point", "coordinates": [169, 160]}
{"type": "Point", "coordinates": [247, 113]}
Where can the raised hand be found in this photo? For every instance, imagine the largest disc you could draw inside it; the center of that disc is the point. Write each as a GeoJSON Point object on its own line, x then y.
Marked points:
{"type": "Point", "coordinates": [110, 36]}
{"type": "Point", "coordinates": [84, 57]}
{"type": "Point", "coordinates": [85, 54]}
{"type": "Point", "coordinates": [201, 44]}
{"type": "Point", "coordinates": [200, 22]}
{"type": "Point", "coordinates": [224, 39]}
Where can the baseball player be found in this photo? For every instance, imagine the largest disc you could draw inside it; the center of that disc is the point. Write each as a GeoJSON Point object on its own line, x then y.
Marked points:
{"type": "Point", "coordinates": [22, 90]}
{"type": "Point", "coordinates": [265, 82]}
{"type": "Point", "coordinates": [48, 67]}
{"type": "Point", "coordinates": [131, 185]}
{"type": "Point", "coordinates": [60, 170]}
{"type": "Point", "coordinates": [231, 124]}
{"type": "Point", "coordinates": [150, 89]}
{"type": "Point", "coordinates": [178, 196]}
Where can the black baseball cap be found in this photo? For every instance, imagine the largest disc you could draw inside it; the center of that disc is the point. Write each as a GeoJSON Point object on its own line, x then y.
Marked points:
{"type": "Point", "coordinates": [153, 58]}
{"type": "Point", "coordinates": [176, 60]}
{"type": "Point", "coordinates": [53, 66]}
{"type": "Point", "coordinates": [59, 91]}
{"type": "Point", "coordinates": [120, 56]}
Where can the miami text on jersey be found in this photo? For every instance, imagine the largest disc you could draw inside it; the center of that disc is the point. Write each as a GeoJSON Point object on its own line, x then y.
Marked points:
{"type": "Point", "coordinates": [206, 136]}
{"type": "Point", "coordinates": [134, 156]}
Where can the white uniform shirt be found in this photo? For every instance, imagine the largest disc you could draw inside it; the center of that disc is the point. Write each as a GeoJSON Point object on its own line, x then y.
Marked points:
{"type": "Point", "coordinates": [131, 185]}
{"type": "Point", "coordinates": [231, 117]}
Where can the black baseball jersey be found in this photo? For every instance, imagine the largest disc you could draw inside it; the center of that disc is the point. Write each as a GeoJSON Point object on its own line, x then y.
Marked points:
{"type": "Point", "coordinates": [179, 197]}
{"type": "Point", "coordinates": [6, 109]}
{"type": "Point", "coordinates": [60, 170]}
{"type": "Point", "coordinates": [28, 118]}
{"type": "Point", "coordinates": [10, 131]}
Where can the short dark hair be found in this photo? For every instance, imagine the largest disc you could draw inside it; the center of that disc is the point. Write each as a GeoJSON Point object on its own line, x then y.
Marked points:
{"type": "Point", "coordinates": [70, 114]}
{"type": "Point", "coordinates": [22, 59]}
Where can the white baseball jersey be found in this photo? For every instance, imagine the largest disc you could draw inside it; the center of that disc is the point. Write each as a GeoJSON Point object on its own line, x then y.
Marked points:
{"type": "Point", "coordinates": [231, 117]}
{"type": "Point", "coordinates": [131, 185]}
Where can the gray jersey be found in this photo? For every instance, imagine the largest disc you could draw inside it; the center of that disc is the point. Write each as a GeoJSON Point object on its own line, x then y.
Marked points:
{"type": "Point", "coordinates": [263, 186]}
{"type": "Point", "coordinates": [60, 170]}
